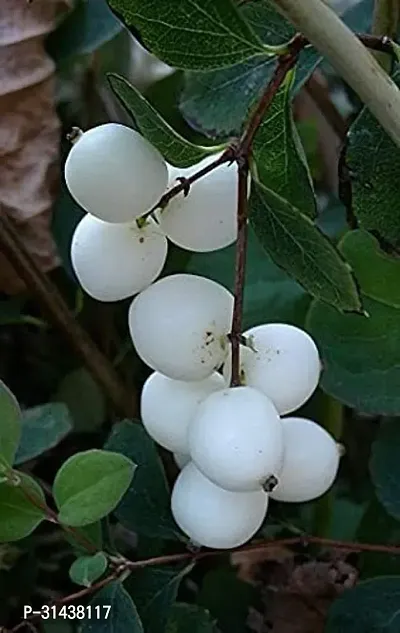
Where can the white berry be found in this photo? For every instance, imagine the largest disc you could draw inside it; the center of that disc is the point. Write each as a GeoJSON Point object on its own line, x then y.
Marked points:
{"type": "Point", "coordinates": [311, 461]}
{"type": "Point", "coordinates": [282, 362]}
{"type": "Point", "coordinates": [168, 406]}
{"type": "Point", "coordinates": [236, 439]}
{"type": "Point", "coordinates": [213, 517]}
{"type": "Point", "coordinates": [179, 326]}
{"type": "Point", "coordinates": [204, 220]}
{"type": "Point", "coordinates": [181, 460]}
{"type": "Point", "coordinates": [114, 173]}
{"type": "Point", "coordinates": [115, 261]}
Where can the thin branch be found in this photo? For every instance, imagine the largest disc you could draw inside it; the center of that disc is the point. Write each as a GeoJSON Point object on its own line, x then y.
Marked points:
{"type": "Point", "coordinates": [240, 269]}
{"type": "Point", "coordinates": [52, 302]}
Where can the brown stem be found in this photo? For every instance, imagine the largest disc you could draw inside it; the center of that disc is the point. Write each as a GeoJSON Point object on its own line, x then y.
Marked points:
{"type": "Point", "coordinates": [240, 269]}
{"type": "Point", "coordinates": [53, 303]}
{"type": "Point", "coordinates": [185, 183]}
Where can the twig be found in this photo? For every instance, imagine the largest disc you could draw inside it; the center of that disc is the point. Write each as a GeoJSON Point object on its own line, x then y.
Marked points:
{"type": "Point", "coordinates": [53, 303]}
{"type": "Point", "coordinates": [240, 269]}
{"type": "Point", "coordinates": [128, 565]}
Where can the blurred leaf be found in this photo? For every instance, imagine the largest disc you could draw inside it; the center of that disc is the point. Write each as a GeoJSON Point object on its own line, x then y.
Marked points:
{"type": "Point", "coordinates": [231, 605]}
{"type": "Point", "coordinates": [332, 218]}
{"type": "Point", "coordinates": [299, 247]}
{"type": "Point", "coordinates": [360, 353]}
{"type": "Point", "coordinates": [89, 25]}
{"type": "Point", "coordinates": [65, 217]}
{"type": "Point", "coordinates": [189, 35]}
{"type": "Point", "coordinates": [84, 399]}
{"type": "Point", "coordinates": [19, 516]}
{"type": "Point", "coordinates": [372, 606]}
{"type": "Point", "coordinates": [374, 162]}
{"type": "Point", "coordinates": [175, 149]}
{"type": "Point", "coordinates": [154, 590]}
{"type": "Point", "coordinates": [10, 426]}
{"type": "Point", "coordinates": [217, 102]}
{"type": "Point", "coordinates": [279, 156]}
{"type": "Point", "coordinates": [122, 614]}
{"type": "Point", "coordinates": [385, 467]}
{"type": "Point", "coordinates": [189, 618]}
{"type": "Point", "coordinates": [90, 484]}
{"type": "Point", "coordinates": [145, 507]}
{"type": "Point", "coordinates": [87, 569]}
{"type": "Point", "coordinates": [43, 427]}
{"type": "Point", "coordinates": [270, 296]}
{"type": "Point", "coordinates": [380, 281]}
{"type": "Point", "coordinates": [378, 527]}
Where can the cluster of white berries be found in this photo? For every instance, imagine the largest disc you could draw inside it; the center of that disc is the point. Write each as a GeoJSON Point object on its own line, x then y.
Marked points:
{"type": "Point", "coordinates": [232, 443]}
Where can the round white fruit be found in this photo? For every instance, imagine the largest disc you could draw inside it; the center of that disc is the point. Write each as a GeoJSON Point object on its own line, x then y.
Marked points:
{"type": "Point", "coordinates": [115, 261]}
{"type": "Point", "coordinates": [282, 362]}
{"type": "Point", "coordinates": [236, 439]}
{"type": "Point", "coordinates": [213, 517]}
{"type": "Point", "coordinates": [204, 220]}
{"type": "Point", "coordinates": [114, 173]}
{"type": "Point", "coordinates": [168, 406]}
{"type": "Point", "coordinates": [179, 326]}
{"type": "Point", "coordinates": [311, 461]}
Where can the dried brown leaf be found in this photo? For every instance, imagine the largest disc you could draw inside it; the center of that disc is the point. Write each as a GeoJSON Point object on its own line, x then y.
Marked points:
{"type": "Point", "coordinates": [29, 129]}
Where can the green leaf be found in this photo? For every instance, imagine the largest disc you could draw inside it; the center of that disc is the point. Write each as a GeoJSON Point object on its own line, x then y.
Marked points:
{"type": "Point", "coordinates": [380, 281]}
{"type": "Point", "coordinates": [372, 606]}
{"type": "Point", "coordinates": [190, 617]}
{"type": "Point", "coordinates": [89, 485]}
{"type": "Point", "coordinates": [175, 149]}
{"type": "Point", "coordinates": [84, 399]}
{"type": "Point", "coordinates": [299, 247]}
{"type": "Point", "coordinates": [43, 427]}
{"type": "Point", "coordinates": [87, 569]}
{"type": "Point", "coordinates": [145, 507]}
{"type": "Point", "coordinates": [374, 162]}
{"type": "Point", "coordinates": [190, 34]}
{"type": "Point", "coordinates": [217, 102]}
{"type": "Point", "coordinates": [122, 614]}
{"type": "Point", "coordinates": [86, 28]}
{"type": "Point", "coordinates": [385, 467]}
{"type": "Point", "coordinates": [154, 590]}
{"type": "Point", "coordinates": [19, 516]}
{"type": "Point", "coordinates": [279, 156]}
{"type": "Point", "coordinates": [270, 297]}
{"type": "Point", "coordinates": [361, 354]}
{"type": "Point", "coordinates": [10, 424]}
